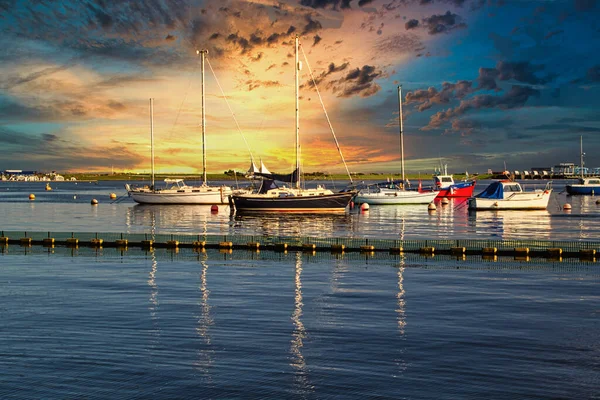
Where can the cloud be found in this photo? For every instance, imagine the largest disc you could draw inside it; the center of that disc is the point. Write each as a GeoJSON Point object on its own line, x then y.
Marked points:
{"type": "Point", "coordinates": [516, 97]}
{"type": "Point", "coordinates": [333, 4]}
{"type": "Point", "coordinates": [411, 24]}
{"type": "Point", "coordinates": [522, 71]}
{"type": "Point", "coordinates": [359, 81]}
{"type": "Point", "coordinates": [443, 23]}
{"type": "Point", "coordinates": [427, 98]}
{"type": "Point", "coordinates": [316, 41]}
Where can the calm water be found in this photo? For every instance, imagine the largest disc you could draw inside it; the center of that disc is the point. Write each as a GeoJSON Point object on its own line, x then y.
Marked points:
{"type": "Point", "coordinates": [67, 208]}
{"type": "Point", "coordinates": [187, 326]}
{"type": "Point", "coordinates": [103, 324]}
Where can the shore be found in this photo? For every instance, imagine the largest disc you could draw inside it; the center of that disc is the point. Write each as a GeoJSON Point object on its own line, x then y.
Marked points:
{"type": "Point", "coordinates": [230, 177]}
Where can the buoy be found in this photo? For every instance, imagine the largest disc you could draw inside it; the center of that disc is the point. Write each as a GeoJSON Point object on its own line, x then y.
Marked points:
{"type": "Point", "coordinates": [32, 196]}
{"type": "Point", "coordinates": [214, 208]}
{"type": "Point", "coordinates": [74, 197]}
{"type": "Point", "coordinates": [113, 196]}
{"type": "Point", "coordinates": [351, 204]}
{"type": "Point", "coordinates": [48, 187]}
{"type": "Point", "coordinates": [94, 202]}
{"type": "Point", "coordinates": [567, 206]}
{"type": "Point", "coordinates": [598, 201]}
{"type": "Point", "coordinates": [445, 201]}
{"type": "Point", "coordinates": [364, 206]}
{"type": "Point", "coordinates": [431, 206]}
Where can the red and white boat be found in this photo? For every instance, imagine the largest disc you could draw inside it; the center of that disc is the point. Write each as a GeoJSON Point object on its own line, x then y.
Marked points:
{"type": "Point", "coordinates": [448, 188]}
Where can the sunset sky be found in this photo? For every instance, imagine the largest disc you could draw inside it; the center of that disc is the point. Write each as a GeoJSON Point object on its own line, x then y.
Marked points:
{"type": "Point", "coordinates": [484, 82]}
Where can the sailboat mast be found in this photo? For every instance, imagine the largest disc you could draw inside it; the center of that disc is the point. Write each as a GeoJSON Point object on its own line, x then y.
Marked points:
{"type": "Point", "coordinates": [581, 153]}
{"type": "Point", "coordinates": [203, 55]}
{"type": "Point", "coordinates": [401, 131]}
{"type": "Point", "coordinates": [297, 68]}
{"type": "Point", "coordinates": [152, 139]}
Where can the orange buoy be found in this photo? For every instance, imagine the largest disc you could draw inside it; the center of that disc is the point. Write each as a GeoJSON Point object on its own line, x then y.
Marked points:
{"type": "Point", "coordinates": [214, 208]}
{"type": "Point", "coordinates": [113, 196]}
{"type": "Point", "coordinates": [351, 204]}
{"type": "Point", "coordinates": [364, 207]}
{"type": "Point", "coordinates": [94, 202]}
{"type": "Point", "coordinates": [598, 201]}
{"type": "Point", "coordinates": [445, 200]}
{"type": "Point", "coordinates": [431, 206]}
{"type": "Point", "coordinates": [567, 206]}
{"type": "Point", "coordinates": [32, 196]}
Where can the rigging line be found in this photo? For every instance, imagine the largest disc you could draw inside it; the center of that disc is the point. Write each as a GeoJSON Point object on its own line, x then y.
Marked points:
{"type": "Point", "coordinates": [325, 111]}
{"type": "Point", "coordinates": [187, 91]}
{"type": "Point", "coordinates": [228, 106]}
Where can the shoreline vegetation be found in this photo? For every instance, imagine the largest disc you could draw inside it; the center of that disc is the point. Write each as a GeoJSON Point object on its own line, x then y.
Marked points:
{"type": "Point", "coordinates": [230, 176]}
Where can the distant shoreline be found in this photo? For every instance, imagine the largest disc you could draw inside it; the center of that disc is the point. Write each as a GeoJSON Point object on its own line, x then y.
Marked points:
{"type": "Point", "coordinates": [229, 177]}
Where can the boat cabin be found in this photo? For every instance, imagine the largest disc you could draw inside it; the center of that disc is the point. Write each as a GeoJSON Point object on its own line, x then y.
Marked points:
{"type": "Point", "coordinates": [497, 189]}
{"type": "Point", "coordinates": [443, 181]}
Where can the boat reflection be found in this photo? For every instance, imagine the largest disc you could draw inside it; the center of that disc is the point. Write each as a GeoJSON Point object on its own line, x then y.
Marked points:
{"type": "Point", "coordinates": [512, 224]}
{"type": "Point", "coordinates": [316, 225]}
{"type": "Point", "coordinates": [401, 314]}
{"type": "Point", "coordinates": [298, 363]}
{"type": "Point", "coordinates": [178, 219]}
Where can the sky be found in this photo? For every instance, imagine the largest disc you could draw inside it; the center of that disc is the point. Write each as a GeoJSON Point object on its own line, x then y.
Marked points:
{"type": "Point", "coordinates": [485, 84]}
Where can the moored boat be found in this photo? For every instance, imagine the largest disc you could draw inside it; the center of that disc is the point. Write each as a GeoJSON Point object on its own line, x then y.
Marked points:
{"type": "Point", "coordinates": [395, 193]}
{"type": "Point", "coordinates": [509, 195]}
{"type": "Point", "coordinates": [272, 198]}
{"type": "Point", "coordinates": [175, 190]}
{"type": "Point", "coordinates": [585, 185]}
{"type": "Point", "coordinates": [448, 188]}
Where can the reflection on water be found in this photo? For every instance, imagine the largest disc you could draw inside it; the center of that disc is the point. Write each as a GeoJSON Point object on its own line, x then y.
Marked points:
{"type": "Point", "coordinates": [205, 321]}
{"type": "Point", "coordinates": [179, 219]}
{"type": "Point", "coordinates": [401, 314]}
{"type": "Point", "coordinates": [320, 225]}
{"type": "Point", "coordinates": [511, 224]}
{"type": "Point", "coordinates": [298, 362]}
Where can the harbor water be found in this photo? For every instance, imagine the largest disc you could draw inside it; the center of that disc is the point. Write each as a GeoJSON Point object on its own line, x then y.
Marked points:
{"type": "Point", "coordinates": [108, 323]}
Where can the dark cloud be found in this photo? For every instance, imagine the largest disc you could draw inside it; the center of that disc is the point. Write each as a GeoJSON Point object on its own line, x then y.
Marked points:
{"type": "Point", "coordinates": [522, 71]}
{"type": "Point", "coordinates": [584, 5]}
{"type": "Point", "coordinates": [105, 20]}
{"type": "Point", "coordinates": [10, 82]}
{"type": "Point", "coordinates": [443, 23]}
{"type": "Point", "coordinates": [312, 26]}
{"type": "Point", "coordinates": [427, 98]}
{"type": "Point", "coordinates": [316, 41]}
{"type": "Point", "coordinates": [170, 38]}
{"type": "Point", "coordinates": [399, 43]}
{"type": "Point", "coordinates": [411, 24]}
{"type": "Point", "coordinates": [358, 82]}
{"type": "Point", "coordinates": [333, 4]}
{"type": "Point", "coordinates": [516, 97]}
{"type": "Point", "coordinates": [554, 33]}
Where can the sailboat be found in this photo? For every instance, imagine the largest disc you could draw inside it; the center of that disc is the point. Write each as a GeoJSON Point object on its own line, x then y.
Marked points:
{"type": "Point", "coordinates": [176, 191]}
{"type": "Point", "coordinates": [395, 193]}
{"type": "Point", "coordinates": [272, 198]}
{"type": "Point", "coordinates": [585, 185]}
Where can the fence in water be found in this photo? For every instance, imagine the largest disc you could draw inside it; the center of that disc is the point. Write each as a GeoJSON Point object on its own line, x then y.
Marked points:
{"type": "Point", "coordinates": [456, 247]}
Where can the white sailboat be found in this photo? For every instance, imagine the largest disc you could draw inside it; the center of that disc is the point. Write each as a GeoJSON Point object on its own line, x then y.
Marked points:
{"type": "Point", "coordinates": [176, 191]}
{"type": "Point", "coordinates": [395, 193]}
{"type": "Point", "coordinates": [509, 195]}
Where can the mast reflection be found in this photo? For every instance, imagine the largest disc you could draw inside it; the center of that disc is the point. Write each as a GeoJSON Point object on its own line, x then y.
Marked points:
{"type": "Point", "coordinates": [298, 362]}
{"type": "Point", "coordinates": [205, 321]}
{"type": "Point", "coordinates": [401, 313]}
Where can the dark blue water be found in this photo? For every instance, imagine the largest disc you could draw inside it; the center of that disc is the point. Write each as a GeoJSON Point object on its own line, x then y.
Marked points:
{"type": "Point", "coordinates": [165, 325]}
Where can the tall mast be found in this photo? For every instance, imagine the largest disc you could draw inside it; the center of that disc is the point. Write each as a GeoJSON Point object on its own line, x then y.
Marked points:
{"type": "Point", "coordinates": [297, 68]}
{"type": "Point", "coordinates": [581, 153]}
{"type": "Point", "coordinates": [401, 132]}
{"type": "Point", "coordinates": [152, 139]}
{"type": "Point", "coordinates": [203, 55]}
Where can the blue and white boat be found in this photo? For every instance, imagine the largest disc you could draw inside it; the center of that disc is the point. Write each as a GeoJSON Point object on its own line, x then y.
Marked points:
{"type": "Point", "coordinates": [509, 195]}
{"type": "Point", "coordinates": [585, 185]}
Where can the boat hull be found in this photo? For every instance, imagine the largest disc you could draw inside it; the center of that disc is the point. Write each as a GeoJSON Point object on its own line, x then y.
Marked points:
{"type": "Point", "coordinates": [216, 196]}
{"type": "Point", "coordinates": [517, 201]}
{"type": "Point", "coordinates": [583, 189]}
{"type": "Point", "coordinates": [336, 202]}
{"type": "Point", "coordinates": [459, 190]}
{"type": "Point", "coordinates": [391, 197]}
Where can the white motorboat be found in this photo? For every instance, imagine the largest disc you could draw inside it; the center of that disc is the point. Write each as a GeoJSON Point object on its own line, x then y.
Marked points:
{"type": "Point", "coordinates": [509, 195]}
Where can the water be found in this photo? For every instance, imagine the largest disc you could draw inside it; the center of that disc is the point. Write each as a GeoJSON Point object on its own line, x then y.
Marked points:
{"type": "Point", "coordinates": [67, 208]}
{"type": "Point", "coordinates": [183, 325]}
{"type": "Point", "coordinates": [164, 324]}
